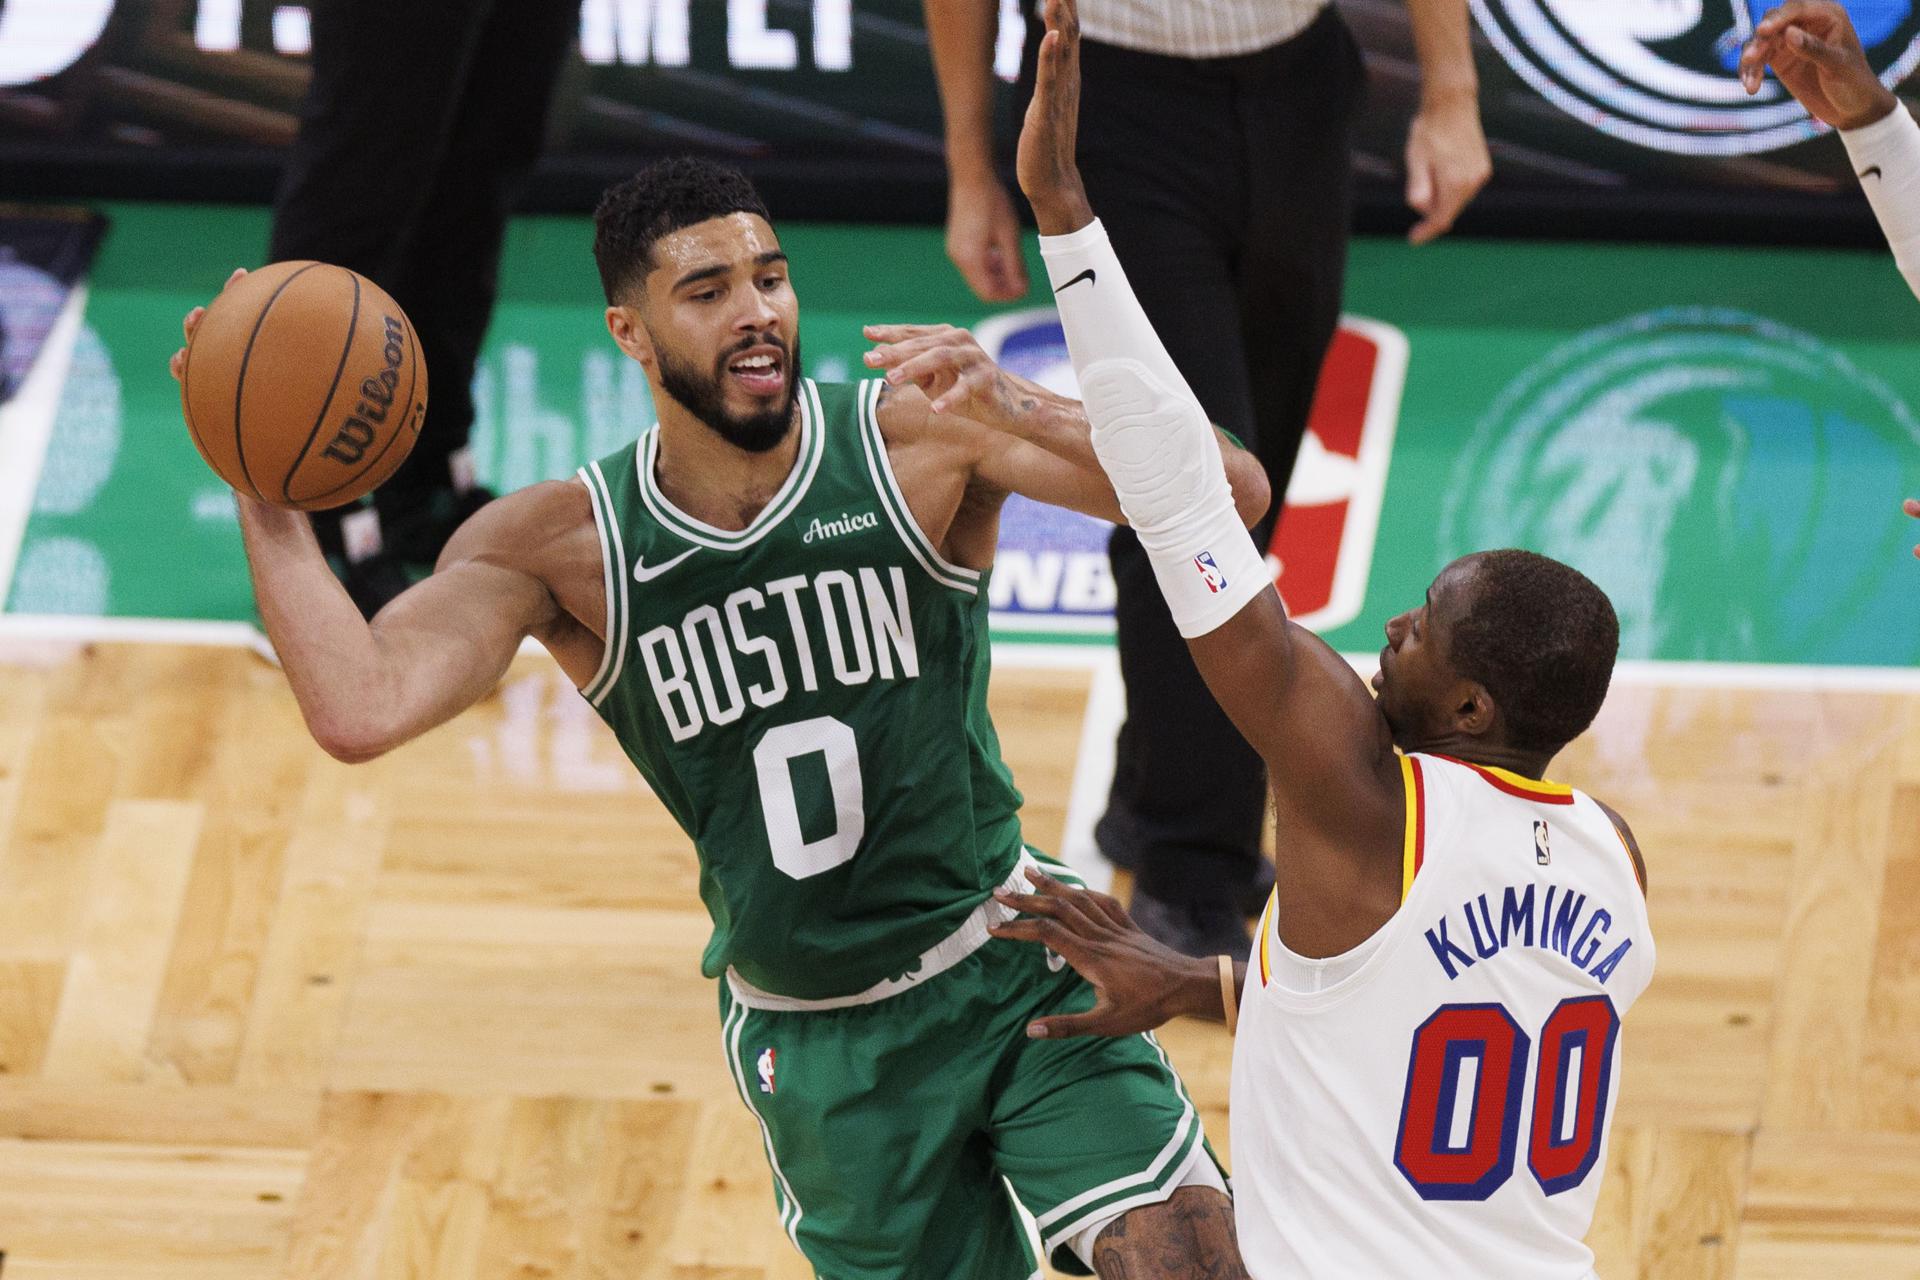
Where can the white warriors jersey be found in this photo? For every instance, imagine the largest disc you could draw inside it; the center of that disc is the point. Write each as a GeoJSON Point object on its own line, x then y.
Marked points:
{"type": "Point", "coordinates": [1436, 1101]}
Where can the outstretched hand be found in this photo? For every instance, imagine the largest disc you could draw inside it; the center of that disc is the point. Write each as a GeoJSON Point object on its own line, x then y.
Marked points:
{"type": "Point", "coordinates": [1138, 983]}
{"type": "Point", "coordinates": [1045, 163]}
{"type": "Point", "coordinates": [951, 369]}
{"type": "Point", "coordinates": [1813, 50]}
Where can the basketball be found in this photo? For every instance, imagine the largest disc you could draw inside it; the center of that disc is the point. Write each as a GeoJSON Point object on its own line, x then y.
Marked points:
{"type": "Point", "coordinates": [304, 385]}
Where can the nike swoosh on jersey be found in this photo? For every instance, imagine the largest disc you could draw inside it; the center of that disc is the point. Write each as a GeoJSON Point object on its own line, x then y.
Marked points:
{"type": "Point", "coordinates": [1871, 171]}
{"type": "Point", "coordinates": [1086, 275]}
{"type": "Point", "coordinates": [642, 573]}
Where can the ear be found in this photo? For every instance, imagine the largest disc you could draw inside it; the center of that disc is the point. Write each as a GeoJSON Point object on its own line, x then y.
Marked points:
{"type": "Point", "coordinates": [1474, 712]}
{"type": "Point", "coordinates": [631, 335]}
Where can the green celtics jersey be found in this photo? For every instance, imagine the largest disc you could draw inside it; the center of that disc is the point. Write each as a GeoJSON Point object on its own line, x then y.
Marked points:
{"type": "Point", "coordinates": [808, 698]}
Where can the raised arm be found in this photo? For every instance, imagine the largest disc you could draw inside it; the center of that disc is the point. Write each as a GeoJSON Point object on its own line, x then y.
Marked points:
{"type": "Point", "coordinates": [1813, 50]}
{"type": "Point", "coordinates": [1326, 747]}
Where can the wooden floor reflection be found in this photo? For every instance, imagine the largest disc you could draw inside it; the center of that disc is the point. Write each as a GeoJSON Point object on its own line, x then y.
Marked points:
{"type": "Point", "coordinates": [263, 1015]}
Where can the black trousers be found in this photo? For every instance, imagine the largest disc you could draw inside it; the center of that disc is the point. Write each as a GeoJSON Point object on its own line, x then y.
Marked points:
{"type": "Point", "coordinates": [422, 120]}
{"type": "Point", "coordinates": [1224, 186]}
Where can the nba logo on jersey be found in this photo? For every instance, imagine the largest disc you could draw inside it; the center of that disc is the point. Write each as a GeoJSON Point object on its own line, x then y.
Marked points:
{"type": "Point", "coordinates": [1541, 854]}
{"type": "Point", "coordinates": [764, 1068]}
{"type": "Point", "coordinates": [1216, 580]}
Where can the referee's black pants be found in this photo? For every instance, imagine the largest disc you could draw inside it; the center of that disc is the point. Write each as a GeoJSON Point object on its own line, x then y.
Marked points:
{"type": "Point", "coordinates": [1224, 186]}
{"type": "Point", "coordinates": [422, 121]}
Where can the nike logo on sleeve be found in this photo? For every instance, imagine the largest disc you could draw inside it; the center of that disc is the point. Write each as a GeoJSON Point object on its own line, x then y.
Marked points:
{"type": "Point", "coordinates": [1871, 171]}
{"type": "Point", "coordinates": [1086, 275]}
{"type": "Point", "coordinates": [642, 573]}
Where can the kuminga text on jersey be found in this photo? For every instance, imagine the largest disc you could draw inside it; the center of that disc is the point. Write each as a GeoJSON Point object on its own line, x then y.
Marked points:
{"type": "Point", "coordinates": [1575, 927]}
{"type": "Point", "coordinates": [708, 668]}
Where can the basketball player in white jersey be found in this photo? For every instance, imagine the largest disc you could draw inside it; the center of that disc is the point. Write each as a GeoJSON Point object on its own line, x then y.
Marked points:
{"type": "Point", "coordinates": [1815, 53]}
{"type": "Point", "coordinates": [1428, 1050]}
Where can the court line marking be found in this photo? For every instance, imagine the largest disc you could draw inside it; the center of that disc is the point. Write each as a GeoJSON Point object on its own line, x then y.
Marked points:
{"type": "Point", "coordinates": [26, 428]}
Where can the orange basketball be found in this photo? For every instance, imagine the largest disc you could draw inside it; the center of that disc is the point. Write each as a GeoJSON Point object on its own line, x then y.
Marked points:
{"type": "Point", "coordinates": [304, 385]}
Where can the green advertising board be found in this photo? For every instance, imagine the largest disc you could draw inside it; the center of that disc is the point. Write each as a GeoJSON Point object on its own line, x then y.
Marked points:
{"type": "Point", "coordinates": [1721, 438]}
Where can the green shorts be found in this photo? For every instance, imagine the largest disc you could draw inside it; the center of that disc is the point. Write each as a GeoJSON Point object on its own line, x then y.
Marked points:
{"type": "Point", "coordinates": [890, 1126]}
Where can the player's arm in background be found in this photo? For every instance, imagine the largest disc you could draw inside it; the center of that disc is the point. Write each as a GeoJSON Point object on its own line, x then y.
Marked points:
{"type": "Point", "coordinates": [1447, 160]}
{"type": "Point", "coordinates": [983, 231]}
{"type": "Point", "coordinates": [1018, 437]}
{"type": "Point", "coordinates": [1814, 52]}
{"type": "Point", "coordinates": [364, 687]}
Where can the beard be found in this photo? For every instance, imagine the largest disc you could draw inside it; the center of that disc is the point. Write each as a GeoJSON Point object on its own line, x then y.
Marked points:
{"type": "Point", "coordinates": [704, 395]}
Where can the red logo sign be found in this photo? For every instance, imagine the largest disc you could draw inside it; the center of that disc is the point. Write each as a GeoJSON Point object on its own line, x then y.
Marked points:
{"type": "Point", "coordinates": [1324, 540]}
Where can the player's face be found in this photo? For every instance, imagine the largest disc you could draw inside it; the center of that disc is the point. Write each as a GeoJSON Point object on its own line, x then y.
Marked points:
{"type": "Point", "coordinates": [725, 328]}
{"type": "Point", "coordinates": [1418, 689]}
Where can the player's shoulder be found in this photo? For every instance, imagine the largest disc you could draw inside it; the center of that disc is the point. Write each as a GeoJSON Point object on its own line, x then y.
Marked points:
{"type": "Point", "coordinates": [1626, 838]}
{"type": "Point", "coordinates": [523, 528]}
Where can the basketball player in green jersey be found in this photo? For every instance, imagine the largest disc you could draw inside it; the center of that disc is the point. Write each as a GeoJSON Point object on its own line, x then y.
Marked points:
{"type": "Point", "coordinates": [777, 600]}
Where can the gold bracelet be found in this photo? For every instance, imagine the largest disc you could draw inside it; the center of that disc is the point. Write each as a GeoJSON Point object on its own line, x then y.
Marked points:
{"type": "Point", "coordinates": [1229, 997]}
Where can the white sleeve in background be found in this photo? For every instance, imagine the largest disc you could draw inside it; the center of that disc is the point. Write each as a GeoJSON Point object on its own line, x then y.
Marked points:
{"type": "Point", "coordinates": [1153, 439]}
{"type": "Point", "coordinates": [1886, 156]}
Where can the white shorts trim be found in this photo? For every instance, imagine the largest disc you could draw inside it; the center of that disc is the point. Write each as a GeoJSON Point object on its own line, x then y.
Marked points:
{"type": "Point", "coordinates": [790, 1211]}
{"type": "Point", "coordinates": [1199, 1170]}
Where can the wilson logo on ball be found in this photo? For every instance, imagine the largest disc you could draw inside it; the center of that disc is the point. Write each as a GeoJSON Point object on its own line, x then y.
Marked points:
{"type": "Point", "coordinates": [376, 399]}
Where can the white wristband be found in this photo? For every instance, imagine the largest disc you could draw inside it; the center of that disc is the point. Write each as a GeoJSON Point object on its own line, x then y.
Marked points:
{"type": "Point", "coordinates": [1886, 156]}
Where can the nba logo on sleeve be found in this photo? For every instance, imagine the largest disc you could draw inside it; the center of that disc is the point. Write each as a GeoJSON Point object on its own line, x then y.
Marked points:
{"type": "Point", "coordinates": [1216, 580]}
{"type": "Point", "coordinates": [1541, 854]}
{"type": "Point", "coordinates": [764, 1069]}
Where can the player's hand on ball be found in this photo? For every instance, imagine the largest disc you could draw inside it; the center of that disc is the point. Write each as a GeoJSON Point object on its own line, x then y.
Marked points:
{"type": "Point", "coordinates": [1132, 975]}
{"type": "Point", "coordinates": [950, 368]}
{"type": "Point", "coordinates": [1814, 51]}
{"type": "Point", "coordinates": [177, 366]}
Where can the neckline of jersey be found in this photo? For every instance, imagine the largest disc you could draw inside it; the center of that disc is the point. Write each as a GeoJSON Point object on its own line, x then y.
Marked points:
{"type": "Point", "coordinates": [1516, 783]}
{"type": "Point", "coordinates": [799, 479]}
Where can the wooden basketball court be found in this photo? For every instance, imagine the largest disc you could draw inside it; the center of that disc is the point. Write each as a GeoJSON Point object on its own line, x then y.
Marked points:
{"type": "Point", "coordinates": [263, 1015]}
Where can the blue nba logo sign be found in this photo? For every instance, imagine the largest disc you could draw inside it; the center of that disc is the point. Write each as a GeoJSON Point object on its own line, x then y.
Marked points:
{"type": "Point", "coordinates": [1216, 580]}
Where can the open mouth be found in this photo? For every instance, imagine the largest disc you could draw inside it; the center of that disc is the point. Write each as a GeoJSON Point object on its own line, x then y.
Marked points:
{"type": "Point", "coordinates": [1380, 676]}
{"type": "Point", "coordinates": [760, 371]}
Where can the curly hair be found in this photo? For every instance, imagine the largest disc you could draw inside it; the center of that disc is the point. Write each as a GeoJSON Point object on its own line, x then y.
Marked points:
{"type": "Point", "coordinates": [659, 200]}
{"type": "Point", "coordinates": [1541, 638]}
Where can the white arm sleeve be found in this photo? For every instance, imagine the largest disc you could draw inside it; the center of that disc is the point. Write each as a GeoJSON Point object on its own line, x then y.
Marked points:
{"type": "Point", "coordinates": [1153, 439]}
{"type": "Point", "coordinates": [1886, 156]}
